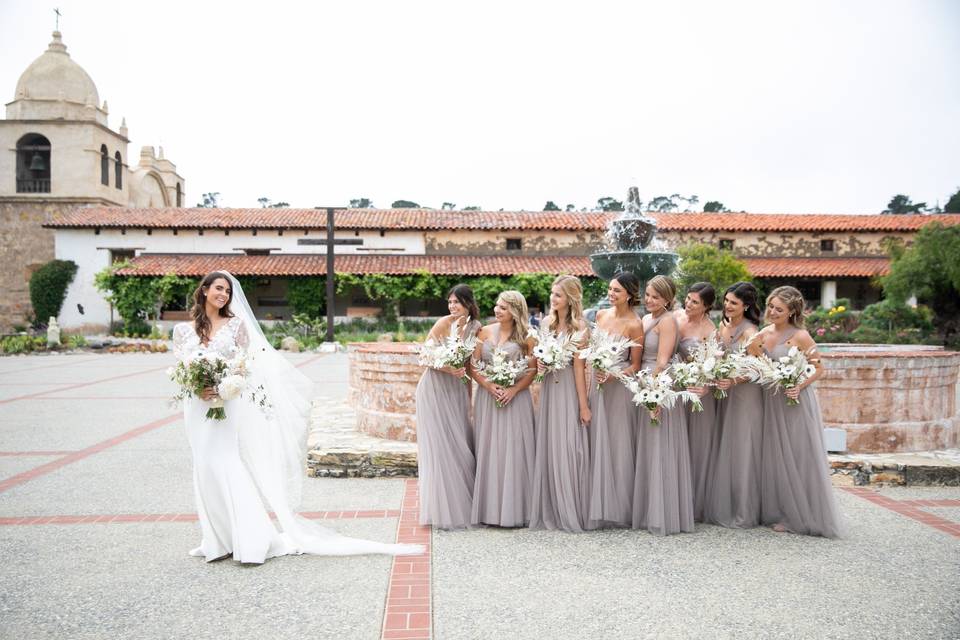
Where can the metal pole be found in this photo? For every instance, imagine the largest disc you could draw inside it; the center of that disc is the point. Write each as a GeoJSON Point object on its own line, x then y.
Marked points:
{"type": "Point", "coordinates": [330, 291]}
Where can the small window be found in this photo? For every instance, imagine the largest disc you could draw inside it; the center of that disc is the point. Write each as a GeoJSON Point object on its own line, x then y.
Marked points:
{"type": "Point", "coordinates": [121, 255]}
{"type": "Point", "coordinates": [726, 244]}
{"type": "Point", "coordinates": [33, 164]}
{"type": "Point", "coordinates": [104, 165]}
{"type": "Point", "coordinates": [514, 244]}
{"type": "Point", "coordinates": [118, 170]}
{"type": "Point", "coordinates": [827, 245]}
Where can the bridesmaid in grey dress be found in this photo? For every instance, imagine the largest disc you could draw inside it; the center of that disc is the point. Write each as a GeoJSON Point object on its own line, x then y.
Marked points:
{"type": "Point", "coordinates": [613, 430]}
{"type": "Point", "coordinates": [663, 487]}
{"type": "Point", "coordinates": [504, 435]}
{"type": "Point", "coordinates": [797, 495]}
{"type": "Point", "coordinates": [733, 497]}
{"type": "Point", "coordinates": [561, 474]}
{"type": "Point", "coordinates": [444, 434]}
{"type": "Point", "coordinates": [696, 326]}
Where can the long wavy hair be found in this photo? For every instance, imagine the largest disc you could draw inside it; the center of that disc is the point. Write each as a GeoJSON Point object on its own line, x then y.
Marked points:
{"type": "Point", "coordinates": [793, 300]}
{"type": "Point", "coordinates": [199, 309]}
{"type": "Point", "coordinates": [573, 291]}
{"type": "Point", "coordinates": [517, 306]}
{"type": "Point", "coordinates": [464, 296]}
{"type": "Point", "coordinates": [630, 284]}
{"type": "Point", "coordinates": [747, 294]}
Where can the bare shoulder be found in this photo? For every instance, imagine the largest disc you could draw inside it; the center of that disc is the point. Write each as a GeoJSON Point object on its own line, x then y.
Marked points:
{"type": "Point", "coordinates": [803, 339]}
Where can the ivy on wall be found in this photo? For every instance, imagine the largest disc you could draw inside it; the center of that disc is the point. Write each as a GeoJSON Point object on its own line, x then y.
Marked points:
{"type": "Point", "coordinates": [48, 288]}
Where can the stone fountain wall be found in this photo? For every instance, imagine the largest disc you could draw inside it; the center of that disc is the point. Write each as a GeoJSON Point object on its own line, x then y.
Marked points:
{"type": "Point", "coordinates": [887, 398]}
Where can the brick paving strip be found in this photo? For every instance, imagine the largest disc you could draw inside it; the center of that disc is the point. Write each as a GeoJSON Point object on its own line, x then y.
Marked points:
{"type": "Point", "coordinates": [407, 615]}
{"type": "Point", "coordinates": [910, 509]}
{"type": "Point", "coordinates": [4, 454]}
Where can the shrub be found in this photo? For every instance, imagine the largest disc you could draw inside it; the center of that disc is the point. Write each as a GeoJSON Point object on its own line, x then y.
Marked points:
{"type": "Point", "coordinates": [834, 324]}
{"type": "Point", "coordinates": [48, 288]}
{"type": "Point", "coordinates": [705, 263]}
{"type": "Point", "coordinates": [893, 315]}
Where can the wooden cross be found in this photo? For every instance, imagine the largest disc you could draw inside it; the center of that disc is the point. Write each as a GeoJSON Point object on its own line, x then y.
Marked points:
{"type": "Point", "coordinates": [329, 241]}
{"type": "Point", "coordinates": [57, 11]}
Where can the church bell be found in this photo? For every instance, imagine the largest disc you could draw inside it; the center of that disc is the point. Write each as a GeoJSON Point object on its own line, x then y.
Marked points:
{"type": "Point", "coordinates": [37, 163]}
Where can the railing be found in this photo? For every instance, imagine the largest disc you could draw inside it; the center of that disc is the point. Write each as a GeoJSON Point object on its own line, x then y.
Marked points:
{"type": "Point", "coordinates": [33, 186]}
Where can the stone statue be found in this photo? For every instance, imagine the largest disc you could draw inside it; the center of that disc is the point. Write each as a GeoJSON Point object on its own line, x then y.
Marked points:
{"type": "Point", "coordinates": [53, 333]}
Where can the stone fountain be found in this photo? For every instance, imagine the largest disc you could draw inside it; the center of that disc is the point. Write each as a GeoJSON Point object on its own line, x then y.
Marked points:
{"type": "Point", "coordinates": [633, 245]}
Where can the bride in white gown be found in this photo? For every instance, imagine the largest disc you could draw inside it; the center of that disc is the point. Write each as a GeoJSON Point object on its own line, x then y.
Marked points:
{"type": "Point", "coordinates": [251, 464]}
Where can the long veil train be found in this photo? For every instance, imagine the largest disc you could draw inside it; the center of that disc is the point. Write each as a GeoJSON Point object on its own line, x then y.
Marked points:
{"type": "Point", "coordinates": [274, 449]}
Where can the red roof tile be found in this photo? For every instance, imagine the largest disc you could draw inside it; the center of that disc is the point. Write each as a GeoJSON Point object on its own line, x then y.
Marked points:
{"type": "Point", "coordinates": [817, 267]}
{"type": "Point", "coordinates": [285, 218]}
{"type": "Point", "coordinates": [431, 219]}
{"type": "Point", "coordinates": [316, 264]}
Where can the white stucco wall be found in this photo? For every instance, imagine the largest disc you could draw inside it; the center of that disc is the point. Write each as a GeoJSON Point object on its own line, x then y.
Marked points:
{"type": "Point", "coordinates": [81, 247]}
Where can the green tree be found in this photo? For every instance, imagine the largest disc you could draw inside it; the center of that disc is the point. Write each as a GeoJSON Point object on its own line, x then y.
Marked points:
{"type": "Point", "coordinates": [264, 202]}
{"type": "Point", "coordinates": [714, 206]}
{"type": "Point", "coordinates": [361, 203]}
{"type": "Point", "coordinates": [551, 206]}
{"type": "Point", "coordinates": [210, 200]}
{"type": "Point", "coordinates": [706, 263]}
{"type": "Point", "coordinates": [953, 204]}
{"type": "Point", "coordinates": [48, 288]}
{"type": "Point", "coordinates": [307, 295]}
{"type": "Point", "coordinates": [609, 204]}
{"type": "Point", "coordinates": [138, 298]}
{"type": "Point", "coordinates": [571, 207]}
{"type": "Point", "coordinates": [448, 206]}
{"type": "Point", "coordinates": [404, 204]}
{"type": "Point", "coordinates": [901, 204]}
{"type": "Point", "coordinates": [663, 204]}
{"type": "Point", "coordinates": [471, 208]}
{"type": "Point", "coordinates": [279, 205]}
{"type": "Point", "coordinates": [930, 270]}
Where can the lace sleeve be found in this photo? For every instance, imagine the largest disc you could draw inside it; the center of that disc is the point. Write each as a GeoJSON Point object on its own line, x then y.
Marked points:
{"type": "Point", "coordinates": [242, 337]}
{"type": "Point", "coordinates": [180, 334]}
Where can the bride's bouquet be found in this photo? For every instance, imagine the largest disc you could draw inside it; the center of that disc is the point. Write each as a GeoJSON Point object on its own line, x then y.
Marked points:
{"type": "Point", "coordinates": [555, 351]}
{"type": "Point", "coordinates": [784, 373]}
{"type": "Point", "coordinates": [501, 370]}
{"type": "Point", "coordinates": [656, 391]}
{"type": "Point", "coordinates": [210, 370]}
{"type": "Point", "coordinates": [605, 350]}
{"type": "Point", "coordinates": [453, 351]}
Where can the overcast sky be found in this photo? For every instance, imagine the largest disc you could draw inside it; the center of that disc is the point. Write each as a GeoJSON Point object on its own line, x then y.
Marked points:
{"type": "Point", "coordinates": [811, 106]}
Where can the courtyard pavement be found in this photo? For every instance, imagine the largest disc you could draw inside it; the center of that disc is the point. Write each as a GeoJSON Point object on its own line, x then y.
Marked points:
{"type": "Point", "coordinates": [97, 515]}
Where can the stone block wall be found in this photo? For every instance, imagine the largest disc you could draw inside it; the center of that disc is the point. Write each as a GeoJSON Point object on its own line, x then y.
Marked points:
{"type": "Point", "coordinates": [24, 246]}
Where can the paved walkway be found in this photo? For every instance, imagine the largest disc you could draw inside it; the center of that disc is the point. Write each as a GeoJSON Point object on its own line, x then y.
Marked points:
{"type": "Point", "coordinates": [96, 517]}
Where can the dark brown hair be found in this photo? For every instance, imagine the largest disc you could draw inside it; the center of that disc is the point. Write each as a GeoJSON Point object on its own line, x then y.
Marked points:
{"type": "Point", "coordinates": [630, 284]}
{"type": "Point", "coordinates": [464, 296]}
{"type": "Point", "coordinates": [199, 309]}
{"type": "Point", "coordinates": [747, 294]}
{"type": "Point", "coordinates": [706, 293]}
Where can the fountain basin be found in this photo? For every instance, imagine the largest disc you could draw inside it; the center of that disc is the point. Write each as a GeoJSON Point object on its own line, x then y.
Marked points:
{"type": "Point", "coordinates": [642, 263]}
{"type": "Point", "coordinates": [891, 398]}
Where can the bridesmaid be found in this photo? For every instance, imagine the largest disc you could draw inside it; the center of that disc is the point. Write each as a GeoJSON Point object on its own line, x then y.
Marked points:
{"type": "Point", "coordinates": [797, 495]}
{"type": "Point", "coordinates": [663, 488]}
{"type": "Point", "coordinates": [561, 473]}
{"type": "Point", "coordinates": [504, 435]}
{"type": "Point", "coordinates": [695, 326]}
{"type": "Point", "coordinates": [613, 433]}
{"type": "Point", "coordinates": [444, 434]}
{"type": "Point", "coordinates": [733, 497]}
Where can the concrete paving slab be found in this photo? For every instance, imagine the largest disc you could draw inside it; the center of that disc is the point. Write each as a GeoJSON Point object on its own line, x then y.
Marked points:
{"type": "Point", "coordinates": [13, 465]}
{"type": "Point", "coordinates": [136, 581]}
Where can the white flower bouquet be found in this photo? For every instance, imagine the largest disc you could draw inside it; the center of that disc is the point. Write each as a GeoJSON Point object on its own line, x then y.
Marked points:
{"type": "Point", "coordinates": [555, 351]}
{"type": "Point", "coordinates": [501, 370]}
{"type": "Point", "coordinates": [720, 365]}
{"type": "Point", "coordinates": [605, 350]}
{"type": "Point", "coordinates": [784, 373]}
{"type": "Point", "coordinates": [656, 391]}
{"type": "Point", "coordinates": [689, 374]}
{"type": "Point", "coordinates": [453, 351]}
{"type": "Point", "coordinates": [230, 378]}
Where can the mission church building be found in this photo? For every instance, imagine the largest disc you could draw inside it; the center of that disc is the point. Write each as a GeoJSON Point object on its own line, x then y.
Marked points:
{"type": "Point", "coordinates": [58, 152]}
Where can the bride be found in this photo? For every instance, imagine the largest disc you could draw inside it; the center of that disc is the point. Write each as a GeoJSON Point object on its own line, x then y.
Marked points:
{"type": "Point", "coordinates": [251, 463]}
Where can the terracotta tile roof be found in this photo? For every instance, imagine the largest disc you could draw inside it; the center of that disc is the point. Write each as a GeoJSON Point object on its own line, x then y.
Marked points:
{"type": "Point", "coordinates": [773, 222]}
{"type": "Point", "coordinates": [817, 267]}
{"type": "Point", "coordinates": [430, 219]}
{"type": "Point", "coordinates": [316, 264]}
{"type": "Point", "coordinates": [285, 218]}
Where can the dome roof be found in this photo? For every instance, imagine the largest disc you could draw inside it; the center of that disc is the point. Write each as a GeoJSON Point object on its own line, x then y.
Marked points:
{"type": "Point", "coordinates": [55, 76]}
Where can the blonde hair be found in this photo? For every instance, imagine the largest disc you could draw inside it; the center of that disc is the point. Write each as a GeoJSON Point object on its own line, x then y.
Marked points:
{"type": "Point", "coordinates": [573, 291]}
{"type": "Point", "coordinates": [517, 306]}
{"type": "Point", "coordinates": [794, 302]}
{"type": "Point", "coordinates": [666, 288]}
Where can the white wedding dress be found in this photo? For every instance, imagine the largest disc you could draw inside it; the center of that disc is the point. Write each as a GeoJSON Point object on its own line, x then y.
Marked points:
{"type": "Point", "coordinates": [251, 464]}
